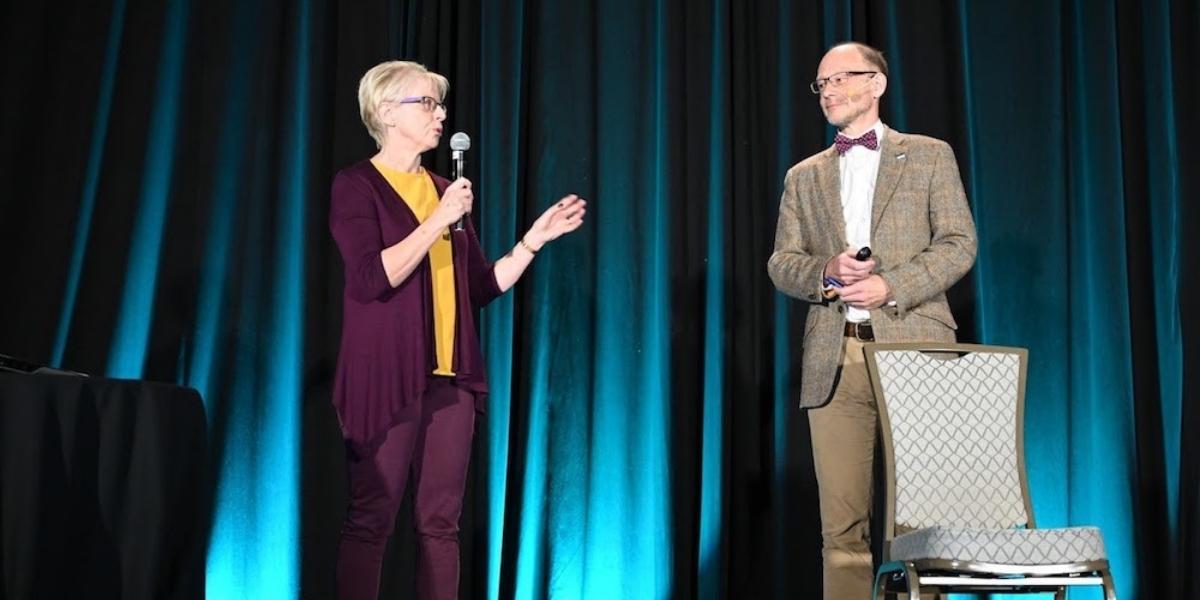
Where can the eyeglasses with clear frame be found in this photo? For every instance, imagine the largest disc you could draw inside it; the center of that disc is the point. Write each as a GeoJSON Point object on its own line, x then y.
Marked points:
{"type": "Point", "coordinates": [836, 80]}
{"type": "Point", "coordinates": [426, 102]}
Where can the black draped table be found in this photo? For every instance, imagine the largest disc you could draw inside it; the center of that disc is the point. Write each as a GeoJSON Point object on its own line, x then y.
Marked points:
{"type": "Point", "coordinates": [103, 488]}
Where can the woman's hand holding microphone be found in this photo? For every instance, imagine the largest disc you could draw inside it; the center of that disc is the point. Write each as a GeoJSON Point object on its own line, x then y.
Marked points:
{"type": "Point", "coordinates": [455, 204]}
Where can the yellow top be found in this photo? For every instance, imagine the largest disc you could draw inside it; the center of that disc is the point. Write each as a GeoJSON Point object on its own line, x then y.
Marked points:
{"type": "Point", "coordinates": [418, 192]}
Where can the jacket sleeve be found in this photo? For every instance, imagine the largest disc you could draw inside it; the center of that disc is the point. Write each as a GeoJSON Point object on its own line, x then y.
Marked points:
{"type": "Point", "coordinates": [792, 268]}
{"type": "Point", "coordinates": [952, 246]}
{"type": "Point", "coordinates": [481, 273]}
{"type": "Point", "coordinates": [354, 223]}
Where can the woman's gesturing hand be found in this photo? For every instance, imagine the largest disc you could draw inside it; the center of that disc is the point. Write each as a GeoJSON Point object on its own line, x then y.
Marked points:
{"type": "Point", "coordinates": [564, 217]}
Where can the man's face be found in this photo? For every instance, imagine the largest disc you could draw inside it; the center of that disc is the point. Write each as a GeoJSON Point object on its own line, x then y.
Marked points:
{"type": "Point", "coordinates": [853, 99]}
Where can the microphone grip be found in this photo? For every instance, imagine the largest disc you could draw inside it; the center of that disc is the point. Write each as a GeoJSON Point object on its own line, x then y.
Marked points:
{"type": "Point", "coordinates": [456, 158]}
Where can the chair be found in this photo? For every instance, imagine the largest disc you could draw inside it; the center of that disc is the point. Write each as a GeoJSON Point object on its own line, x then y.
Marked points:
{"type": "Point", "coordinates": [959, 515]}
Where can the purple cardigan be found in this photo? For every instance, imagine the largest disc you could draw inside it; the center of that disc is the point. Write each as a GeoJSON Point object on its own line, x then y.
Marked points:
{"type": "Point", "coordinates": [387, 351]}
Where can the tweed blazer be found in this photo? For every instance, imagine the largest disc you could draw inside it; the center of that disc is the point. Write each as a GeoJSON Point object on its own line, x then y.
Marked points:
{"type": "Point", "coordinates": [922, 239]}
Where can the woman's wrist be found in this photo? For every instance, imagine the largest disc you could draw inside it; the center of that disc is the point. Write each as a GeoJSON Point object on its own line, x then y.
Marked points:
{"type": "Point", "coordinates": [527, 246]}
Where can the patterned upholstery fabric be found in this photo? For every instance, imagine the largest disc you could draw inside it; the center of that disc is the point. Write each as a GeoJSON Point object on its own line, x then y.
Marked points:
{"type": "Point", "coordinates": [953, 427]}
{"type": "Point", "coordinates": [1003, 546]}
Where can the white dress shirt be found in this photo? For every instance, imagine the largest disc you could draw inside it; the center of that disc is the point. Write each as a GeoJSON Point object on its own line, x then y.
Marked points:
{"type": "Point", "coordinates": [858, 168]}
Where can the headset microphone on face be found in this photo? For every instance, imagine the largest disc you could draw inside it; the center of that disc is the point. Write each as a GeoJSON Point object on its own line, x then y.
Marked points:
{"type": "Point", "coordinates": [853, 96]}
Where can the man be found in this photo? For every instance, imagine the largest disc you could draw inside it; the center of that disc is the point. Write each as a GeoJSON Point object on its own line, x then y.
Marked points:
{"type": "Point", "coordinates": [900, 196]}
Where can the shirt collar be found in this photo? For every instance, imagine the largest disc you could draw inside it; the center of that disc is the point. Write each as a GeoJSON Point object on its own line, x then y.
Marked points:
{"type": "Point", "coordinates": [878, 128]}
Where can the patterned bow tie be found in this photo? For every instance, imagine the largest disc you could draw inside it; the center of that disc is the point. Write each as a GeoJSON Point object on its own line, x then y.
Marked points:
{"type": "Point", "coordinates": [843, 144]}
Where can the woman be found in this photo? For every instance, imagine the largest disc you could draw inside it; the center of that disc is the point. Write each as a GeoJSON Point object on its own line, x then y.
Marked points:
{"type": "Point", "coordinates": [410, 375]}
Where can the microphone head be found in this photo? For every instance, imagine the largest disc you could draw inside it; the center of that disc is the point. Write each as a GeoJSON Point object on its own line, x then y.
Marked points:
{"type": "Point", "coordinates": [460, 141]}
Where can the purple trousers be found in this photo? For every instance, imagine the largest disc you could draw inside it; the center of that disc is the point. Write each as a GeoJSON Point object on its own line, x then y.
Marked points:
{"type": "Point", "coordinates": [432, 445]}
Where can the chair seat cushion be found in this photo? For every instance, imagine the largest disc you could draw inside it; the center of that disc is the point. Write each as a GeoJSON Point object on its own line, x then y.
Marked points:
{"type": "Point", "coordinates": [1002, 546]}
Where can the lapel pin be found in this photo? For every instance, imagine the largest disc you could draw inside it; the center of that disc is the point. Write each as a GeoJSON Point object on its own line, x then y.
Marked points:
{"type": "Point", "coordinates": [900, 156]}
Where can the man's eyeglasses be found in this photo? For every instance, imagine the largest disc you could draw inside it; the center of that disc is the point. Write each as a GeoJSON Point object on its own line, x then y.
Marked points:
{"type": "Point", "coordinates": [836, 80]}
{"type": "Point", "coordinates": [429, 104]}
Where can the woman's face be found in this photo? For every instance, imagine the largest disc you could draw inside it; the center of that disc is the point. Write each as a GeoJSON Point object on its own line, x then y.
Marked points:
{"type": "Point", "coordinates": [413, 124]}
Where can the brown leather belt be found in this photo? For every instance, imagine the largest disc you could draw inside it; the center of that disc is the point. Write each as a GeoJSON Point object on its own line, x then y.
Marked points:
{"type": "Point", "coordinates": [860, 331]}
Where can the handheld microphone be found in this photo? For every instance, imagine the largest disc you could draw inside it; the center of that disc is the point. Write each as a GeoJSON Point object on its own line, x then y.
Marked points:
{"type": "Point", "coordinates": [459, 143]}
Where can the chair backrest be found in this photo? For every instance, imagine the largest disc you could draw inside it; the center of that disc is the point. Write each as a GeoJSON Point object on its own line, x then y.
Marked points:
{"type": "Point", "coordinates": [952, 419]}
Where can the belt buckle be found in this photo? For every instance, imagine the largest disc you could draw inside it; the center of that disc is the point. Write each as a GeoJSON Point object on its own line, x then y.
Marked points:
{"type": "Point", "coordinates": [858, 327]}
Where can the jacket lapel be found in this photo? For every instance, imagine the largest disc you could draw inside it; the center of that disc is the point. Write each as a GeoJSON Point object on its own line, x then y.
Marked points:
{"type": "Point", "coordinates": [830, 192]}
{"type": "Point", "coordinates": [393, 203]}
{"type": "Point", "coordinates": [892, 159]}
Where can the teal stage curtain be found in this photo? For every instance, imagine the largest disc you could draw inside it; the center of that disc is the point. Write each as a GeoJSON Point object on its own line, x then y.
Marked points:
{"type": "Point", "coordinates": [164, 188]}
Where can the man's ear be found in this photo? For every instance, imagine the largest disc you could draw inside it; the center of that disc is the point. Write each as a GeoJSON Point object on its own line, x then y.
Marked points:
{"type": "Point", "coordinates": [879, 85]}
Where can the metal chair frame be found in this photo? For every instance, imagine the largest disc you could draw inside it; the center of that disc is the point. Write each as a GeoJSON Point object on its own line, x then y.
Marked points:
{"type": "Point", "coordinates": [941, 576]}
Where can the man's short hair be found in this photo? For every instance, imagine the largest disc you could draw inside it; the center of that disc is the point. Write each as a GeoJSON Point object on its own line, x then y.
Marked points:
{"type": "Point", "coordinates": [870, 54]}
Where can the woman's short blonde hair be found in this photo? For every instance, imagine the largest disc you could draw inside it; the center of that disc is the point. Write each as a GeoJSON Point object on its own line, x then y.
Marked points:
{"type": "Point", "coordinates": [391, 80]}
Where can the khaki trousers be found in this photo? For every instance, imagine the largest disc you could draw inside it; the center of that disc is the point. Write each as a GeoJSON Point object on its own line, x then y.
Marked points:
{"type": "Point", "coordinates": [843, 435]}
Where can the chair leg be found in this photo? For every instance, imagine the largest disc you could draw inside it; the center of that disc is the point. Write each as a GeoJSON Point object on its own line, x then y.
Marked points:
{"type": "Point", "coordinates": [886, 571]}
{"type": "Point", "coordinates": [1110, 589]}
{"type": "Point", "coordinates": [1060, 593]}
{"type": "Point", "coordinates": [888, 574]}
{"type": "Point", "coordinates": [914, 581]}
